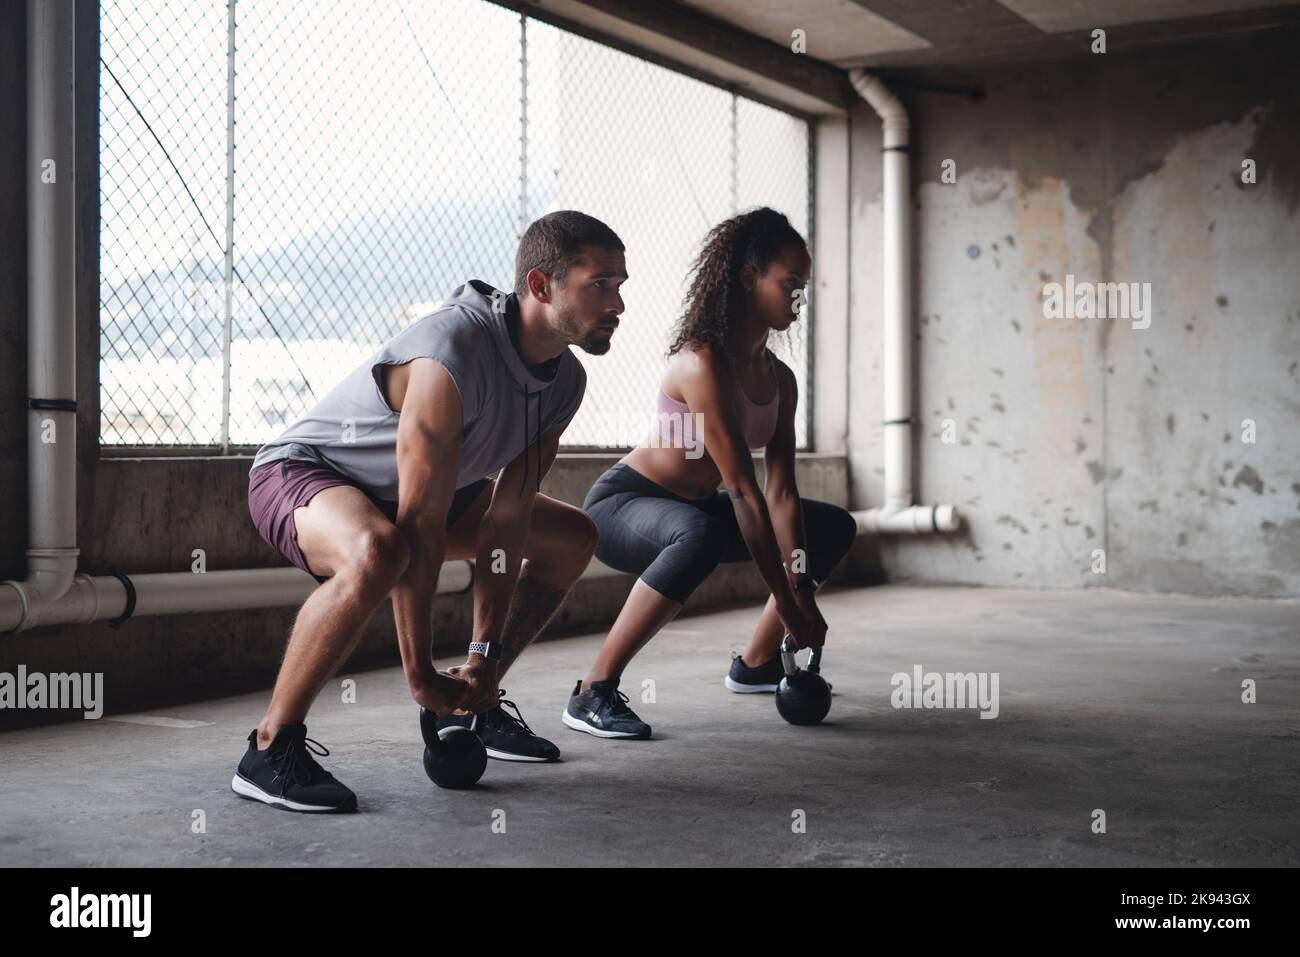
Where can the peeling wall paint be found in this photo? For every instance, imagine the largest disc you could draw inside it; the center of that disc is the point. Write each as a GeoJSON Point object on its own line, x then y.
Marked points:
{"type": "Point", "coordinates": [1081, 434]}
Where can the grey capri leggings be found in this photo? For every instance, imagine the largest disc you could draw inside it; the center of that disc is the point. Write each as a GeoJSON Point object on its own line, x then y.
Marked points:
{"type": "Point", "coordinates": [674, 543]}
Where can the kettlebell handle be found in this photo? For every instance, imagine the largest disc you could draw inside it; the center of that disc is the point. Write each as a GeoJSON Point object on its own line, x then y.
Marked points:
{"type": "Point", "coordinates": [429, 729]}
{"type": "Point", "coordinates": [788, 663]}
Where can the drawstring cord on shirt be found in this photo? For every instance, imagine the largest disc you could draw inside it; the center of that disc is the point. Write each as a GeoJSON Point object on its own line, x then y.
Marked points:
{"type": "Point", "coordinates": [536, 440]}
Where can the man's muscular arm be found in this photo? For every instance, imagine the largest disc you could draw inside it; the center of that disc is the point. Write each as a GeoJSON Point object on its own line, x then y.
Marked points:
{"type": "Point", "coordinates": [504, 526]}
{"type": "Point", "coordinates": [428, 459]}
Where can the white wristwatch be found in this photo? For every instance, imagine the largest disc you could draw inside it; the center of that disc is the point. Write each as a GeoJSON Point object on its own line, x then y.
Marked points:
{"type": "Point", "coordinates": [488, 649]}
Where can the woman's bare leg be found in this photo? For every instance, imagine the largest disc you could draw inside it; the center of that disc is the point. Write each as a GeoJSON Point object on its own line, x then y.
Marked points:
{"type": "Point", "coordinates": [644, 613]}
{"type": "Point", "coordinates": [766, 641]}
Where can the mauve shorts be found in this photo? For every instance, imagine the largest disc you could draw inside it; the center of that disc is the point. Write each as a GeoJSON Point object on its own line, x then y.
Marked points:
{"type": "Point", "coordinates": [277, 488]}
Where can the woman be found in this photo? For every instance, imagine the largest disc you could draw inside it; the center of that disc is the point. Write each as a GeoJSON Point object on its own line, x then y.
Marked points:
{"type": "Point", "coordinates": [659, 512]}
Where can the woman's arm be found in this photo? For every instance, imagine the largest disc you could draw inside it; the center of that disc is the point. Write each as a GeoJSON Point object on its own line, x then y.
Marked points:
{"type": "Point", "coordinates": [780, 490]}
{"type": "Point", "coordinates": [707, 386]}
{"type": "Point", "coordinates": [781, 493]}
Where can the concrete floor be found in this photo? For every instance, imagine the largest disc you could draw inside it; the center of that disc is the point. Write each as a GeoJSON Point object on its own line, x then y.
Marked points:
{"type": "Point", "coordinates": [1128, 703]}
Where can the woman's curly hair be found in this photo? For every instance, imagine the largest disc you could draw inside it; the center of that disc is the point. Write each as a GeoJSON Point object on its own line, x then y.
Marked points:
{"type": "Point", "coordinates": [712, 304]}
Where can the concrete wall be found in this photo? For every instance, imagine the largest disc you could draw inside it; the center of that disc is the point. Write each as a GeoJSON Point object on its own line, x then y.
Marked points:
{"type": "Point", "coordinates": [1072, 435]}
{"type": "Point", "coordinates": [140, 515]}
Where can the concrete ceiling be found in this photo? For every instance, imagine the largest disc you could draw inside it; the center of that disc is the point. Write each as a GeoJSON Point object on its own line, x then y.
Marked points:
{"type": "Point", "coordinates": [884, 33]}
{"type": "Point", "coordinates": [746, 44]}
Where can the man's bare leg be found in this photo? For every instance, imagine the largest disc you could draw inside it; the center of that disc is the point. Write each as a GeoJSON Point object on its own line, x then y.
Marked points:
{"type": "Point", "coordinates": [538, 595]}
{"type": "Point", "coordinates": [561, 541]}
{"type": "Point", "coordinates": [342, 534]}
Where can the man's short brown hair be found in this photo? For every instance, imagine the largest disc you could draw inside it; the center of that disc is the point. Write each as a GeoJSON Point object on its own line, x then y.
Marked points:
{"type": "Point", "coordinates": [555, 242]}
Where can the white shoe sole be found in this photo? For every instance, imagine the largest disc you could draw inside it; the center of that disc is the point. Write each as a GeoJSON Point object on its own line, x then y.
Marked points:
{"type": "Point", "coordinates": [738, 688]}
{"type": "Point", "coordinates": [251, 791]}
{"type": "Point", "coordinates": [507, 756]}
{"type": "Point", "coordinates": [579, 725]}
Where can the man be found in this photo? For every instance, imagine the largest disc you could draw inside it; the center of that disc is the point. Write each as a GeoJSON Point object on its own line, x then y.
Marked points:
{"type": "Point", "coordinates": [385, 478]}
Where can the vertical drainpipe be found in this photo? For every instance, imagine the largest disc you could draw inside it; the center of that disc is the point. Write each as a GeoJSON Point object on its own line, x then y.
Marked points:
{"type": "Point", "coordinates": [51, 306]}
{"type": "Point", "coordinates": [898, 288]}
{"type": "Point", "coordinates": [898, 514]}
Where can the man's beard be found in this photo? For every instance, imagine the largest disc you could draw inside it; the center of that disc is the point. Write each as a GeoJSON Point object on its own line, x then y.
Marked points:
{"type": "Point", "coordinates": [595, 344]}
{"type": "Point", "coordinates": [593, 341]}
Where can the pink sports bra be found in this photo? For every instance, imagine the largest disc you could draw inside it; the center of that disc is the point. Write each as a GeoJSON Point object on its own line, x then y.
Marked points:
{"type": "Point", "coordinates": [757, 422]}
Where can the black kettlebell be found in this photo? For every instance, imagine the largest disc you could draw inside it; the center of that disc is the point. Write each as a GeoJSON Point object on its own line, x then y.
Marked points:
{"type": "Point", "coordinates": [802, 697]}
{"type": "Point", "coordinates": [453, 757]}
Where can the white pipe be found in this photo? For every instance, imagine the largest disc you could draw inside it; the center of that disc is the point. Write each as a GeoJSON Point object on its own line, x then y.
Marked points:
{"type": "Point", "coordinates": [914, 519]}
{"type": "Point", "coordinates": [899, 513]}
{"type": "Point", "coordinates": [179, 593]}
{"type": "Point", "coordinates": [51, 314]}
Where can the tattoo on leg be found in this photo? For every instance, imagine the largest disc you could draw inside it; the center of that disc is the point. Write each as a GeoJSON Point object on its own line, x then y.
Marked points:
{"type": "Point", "coordinates": [532, 606]}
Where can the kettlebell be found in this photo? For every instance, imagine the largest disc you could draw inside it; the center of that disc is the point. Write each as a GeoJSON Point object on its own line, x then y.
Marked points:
{"type": "Point", "coordinates": [803, 696]}
{"type": "Point", "coordinates": [453, 757]}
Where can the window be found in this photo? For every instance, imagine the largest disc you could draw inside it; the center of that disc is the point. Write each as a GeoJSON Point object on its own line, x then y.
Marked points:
{"type": "Point", "coordinates": [383, 154]}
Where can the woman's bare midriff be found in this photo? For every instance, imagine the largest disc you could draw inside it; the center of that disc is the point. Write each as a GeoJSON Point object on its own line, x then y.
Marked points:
{"type": "Point", "coordinates": [689, 478]}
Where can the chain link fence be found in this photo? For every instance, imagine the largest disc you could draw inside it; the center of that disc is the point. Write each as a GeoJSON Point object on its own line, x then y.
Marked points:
{"type": "Point", "coordinates": [286, 186]}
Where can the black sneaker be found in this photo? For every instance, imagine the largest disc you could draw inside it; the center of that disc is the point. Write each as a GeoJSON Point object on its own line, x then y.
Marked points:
{"type": "Point", "coordinates": [601, 710]}
{"type": "Point", "coordinates": [286, 775]}
{"type": "Point", "coordinates": [507, 737]}
{"type": "Point", "coordinates": [743, 679]}
{"type": "Point", "coordinates": [746, 680]}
